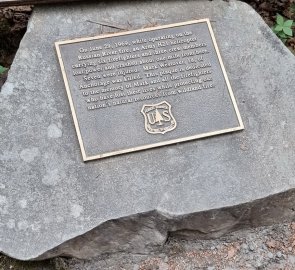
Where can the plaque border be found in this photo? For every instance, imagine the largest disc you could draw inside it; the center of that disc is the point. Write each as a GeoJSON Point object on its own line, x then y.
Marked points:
{"type": "Point", "coordinates": [147, 146]}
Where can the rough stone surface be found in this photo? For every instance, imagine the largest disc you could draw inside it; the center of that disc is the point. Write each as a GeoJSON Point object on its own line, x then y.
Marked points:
{"type": "Point", "coordinates": [270, 248]}
{"type": "Point", "coordinates": [131, 202]}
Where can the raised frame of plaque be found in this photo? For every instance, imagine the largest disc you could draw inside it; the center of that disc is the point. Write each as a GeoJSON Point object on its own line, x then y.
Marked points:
{"type": "Point", "coordinates": [135, 90]}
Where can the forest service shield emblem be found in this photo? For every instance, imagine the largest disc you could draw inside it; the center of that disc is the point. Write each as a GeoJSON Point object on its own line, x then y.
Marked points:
{"type": "Point", "coordinates": [158, 118]}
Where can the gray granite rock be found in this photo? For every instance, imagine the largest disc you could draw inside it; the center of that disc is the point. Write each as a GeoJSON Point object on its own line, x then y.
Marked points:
{"type": "Point", "coordinates": [52, 203]}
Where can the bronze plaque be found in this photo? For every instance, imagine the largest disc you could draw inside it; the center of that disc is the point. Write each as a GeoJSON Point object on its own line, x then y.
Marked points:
{"type": "Point", "coordinates": [140, 89]}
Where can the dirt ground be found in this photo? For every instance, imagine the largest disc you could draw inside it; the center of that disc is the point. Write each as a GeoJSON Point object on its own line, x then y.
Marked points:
{"type": "Point", "coordinates": [13, 24]}
{"type": "Point", "coordinates": [268, 248]}
{"type": "Point", "coordinates": [268, 9]}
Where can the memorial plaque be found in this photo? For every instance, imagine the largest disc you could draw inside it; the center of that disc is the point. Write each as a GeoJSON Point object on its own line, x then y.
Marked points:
{"type": "Point", "coordinates": [141, 89]}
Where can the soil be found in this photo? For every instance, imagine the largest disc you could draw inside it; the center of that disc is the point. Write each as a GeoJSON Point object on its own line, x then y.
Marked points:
{"type": "Point", "coordinates": [268, 9]}
{"type": "Point", "coordinates": [13, 25]}
{"type": "Point", "coordinates": [270, 247]}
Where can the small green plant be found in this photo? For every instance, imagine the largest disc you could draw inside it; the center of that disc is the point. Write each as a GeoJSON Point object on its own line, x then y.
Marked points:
{"type": "Point", "coordinates": [2, 69]}
{"type": "Point", "coordinates": [283, 28]}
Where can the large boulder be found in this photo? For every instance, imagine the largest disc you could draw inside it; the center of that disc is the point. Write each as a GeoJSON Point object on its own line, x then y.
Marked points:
{"type": "Point", "coordinates": [52, 203]}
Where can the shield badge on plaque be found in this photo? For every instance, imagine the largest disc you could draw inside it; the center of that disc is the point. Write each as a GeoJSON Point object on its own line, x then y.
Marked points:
{"type": "Point", "coordinates": [158, 118]}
